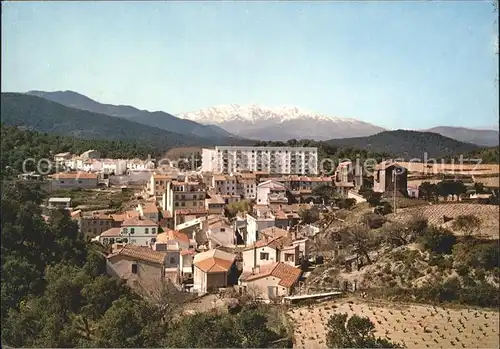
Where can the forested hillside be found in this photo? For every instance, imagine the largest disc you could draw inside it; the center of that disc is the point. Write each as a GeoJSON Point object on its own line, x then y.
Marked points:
{"type": "Point", "coordinates": [407, 144]}
{"type": "Point", "coordinates": [56, 294]}
{"type": "Point", "coordinates": [18, 145]}
{"type": "Point", "coordinates": [45, 116]}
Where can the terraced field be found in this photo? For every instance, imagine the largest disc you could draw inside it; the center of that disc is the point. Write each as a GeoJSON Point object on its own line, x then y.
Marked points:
{"type": "Point", "coordinates": [489, 215]}
{"type": "Point", "coordinates": [416, 326]}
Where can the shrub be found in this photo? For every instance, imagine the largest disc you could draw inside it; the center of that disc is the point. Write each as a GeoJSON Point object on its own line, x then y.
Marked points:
{"type": "Point", "coordinates": [438, 240]}
{"type": "Point", "coordinates": [373, 220]}
{"type": "Point", "coordinates": [385, 209]}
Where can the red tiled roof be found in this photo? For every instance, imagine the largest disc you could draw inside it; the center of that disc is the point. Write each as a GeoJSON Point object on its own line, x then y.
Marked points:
{"type": "Point", "coordinates": [287, 274]}
{"type": "Point", "coordinates": [177, 235]}
{"type": "Point", "coordinates": [124, 216]}
{"type": "Point", "coordinates": [111, 232]}
{"type": "Point", "coordinates": [74, 175]}
{"type": "Point", "coordinates": [214, 265]}
{"type": "Point", "coordinates": [141, 253]}
{"type": "Point", "coordinates": [277, 242]}
{"type": "Point", "coordinates": [149, 207]}
{"type": "Point", "coordinates": [137, 222]}
{"type": "Point", "coordinates": [214, 261]}
{"type": "Point", "coordinates": [190, 251]}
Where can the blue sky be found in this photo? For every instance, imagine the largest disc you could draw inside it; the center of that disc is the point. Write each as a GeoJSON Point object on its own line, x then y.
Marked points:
{"type": "Point", "coordinates": [395, 64]}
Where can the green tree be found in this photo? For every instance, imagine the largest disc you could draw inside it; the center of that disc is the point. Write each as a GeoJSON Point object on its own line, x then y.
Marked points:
{"type": "Point", "coordinates": [438, 240]}
{"type": "Point", "coordinates": [251, 328]}
{"type": "Point", "coordinates": [238, 207]}
{"type": "Point", "coordinates": [355, 332]}
{"type": "Point", "coordinates": [129, 323]}
{"type": "Point", "coordinates": [204, 330]}
{"type": "Point", "coordinates": [428, 191]}
{"type": "Point", "coordinates": [325, 193]}
{"type": "Point", "coordinates": [468, 224]}
{"type": "Point", "coordinates": [309, 215]}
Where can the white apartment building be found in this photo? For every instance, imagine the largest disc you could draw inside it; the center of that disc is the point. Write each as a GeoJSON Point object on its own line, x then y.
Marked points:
{"type": "Point", "coordinates": [282, 160]}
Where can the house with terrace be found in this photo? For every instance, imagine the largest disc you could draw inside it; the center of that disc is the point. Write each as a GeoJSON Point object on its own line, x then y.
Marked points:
{"type": "Point", "coordinates": [268, 250]}
{"type": "Point", "coordinates": [134, 231]}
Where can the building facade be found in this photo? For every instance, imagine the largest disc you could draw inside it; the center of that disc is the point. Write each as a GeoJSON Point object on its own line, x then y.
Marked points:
{"type": "Point", "coordinates": [279, 160]}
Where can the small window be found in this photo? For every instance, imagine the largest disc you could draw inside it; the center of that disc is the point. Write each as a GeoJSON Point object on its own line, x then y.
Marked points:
{"type": "Point", "coordinates": [222, 229]}
{"type": "Point", "coordinates": [132, 230]}
{"type": "Point", "coordinates": [153, 230]}
{"type": "Point", "coordinates": [134, 268]}
{"type": "Point", "coordinates": [264, 256]}
{"type": "Point", "coordinates": [146, 230]}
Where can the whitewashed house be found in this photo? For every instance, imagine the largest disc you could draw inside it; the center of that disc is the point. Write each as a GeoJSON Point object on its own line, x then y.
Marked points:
{"type": "Point", "coordinates": [271, 192]}
{"type": "Point", "coordinates": [270, 250]}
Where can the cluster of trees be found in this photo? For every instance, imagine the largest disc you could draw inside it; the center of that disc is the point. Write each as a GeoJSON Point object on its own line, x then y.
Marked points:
{"type": "Point", "coordinates": [241, 206]}
{"type": "Point", "coordinates": [326, 150]}
{"type": "Point", "coordinates": [431, 192]}
{"type": "Point", "coordinates": [327, 194]}
{"type": "Point", "coordinates": [46, 116]}
{"type": "Point", "coordinates": [487, 155]}
{"type": "Point", "coordinates": [18, 144]}
{"type": "Point", "coordinates": [55, 293]}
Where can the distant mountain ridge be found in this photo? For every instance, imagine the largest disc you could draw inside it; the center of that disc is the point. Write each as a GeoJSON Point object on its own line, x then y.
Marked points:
{"type": "Point", "coordinates": [482, 137]}
{"type": "Point", "coordinates": [408, 144]}
{"type": "Point", "coordinates": [157, 119]}
{"type": "Point", "coordinates": [43, 115]}
{"type": "Point", "coordinates": [280, 124]}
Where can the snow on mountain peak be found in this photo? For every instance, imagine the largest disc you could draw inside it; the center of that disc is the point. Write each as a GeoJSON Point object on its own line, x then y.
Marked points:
{"type": "Point", "coordinates": [255, 113]}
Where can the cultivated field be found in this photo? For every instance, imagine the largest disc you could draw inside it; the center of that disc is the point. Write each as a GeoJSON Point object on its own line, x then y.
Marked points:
{"type": "Point", "coordinates": [418, 167]}
{"type": "Point", "coordinates": [416, 326]}
{"type": "Point", "coordinates": [489, 215]}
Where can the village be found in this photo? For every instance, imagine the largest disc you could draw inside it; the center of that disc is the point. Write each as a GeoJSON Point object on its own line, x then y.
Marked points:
{"type": "Point", "coordinates": [225, 230]}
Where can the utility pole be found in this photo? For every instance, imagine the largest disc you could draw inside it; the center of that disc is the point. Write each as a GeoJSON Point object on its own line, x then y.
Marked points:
{"type": "Point", "coordinates": [395, 180]}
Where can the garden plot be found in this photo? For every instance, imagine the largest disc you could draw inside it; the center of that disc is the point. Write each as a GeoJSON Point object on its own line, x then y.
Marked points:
{"type": "Point", "coordinates": [416, 326]}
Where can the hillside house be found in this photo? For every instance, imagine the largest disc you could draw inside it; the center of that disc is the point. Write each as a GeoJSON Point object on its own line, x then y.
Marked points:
{"type": "Point", "coordinates": [270, 250]}
{"type": "Point", "coordinates": [90, 154]}
{"type": "Point", "coordinates": [73, 180]}
{"type": "Point", "coordinates": [260, 218]}
{"type": "Point", "coordinates": [220, 232]}
{"type": "Point", "coordinates": [270, 281]}
{"type": "Point", "coordinates": [180, 251]}
{"type": "Point", "coordinates": [271, 192]}
{"type": "Point", "coordinates": [61, 157]}
{"type": "Point", "coordinates": [150, 211]}
{"type": "Point", "coordinates": [141, 231]}
{"type": "Point", "coordinates": [214, 203]}
{"type": "Point", "coordinates": [390, 176]}
{"type": "Point", "coordinates": [142, 268]}
{"type": "Point", "coordinates": [58, 203]}
{"type": "Point", "coordinates": [212, 270]}
{"type": "Point", "coordinates": [180, 195]}
{"type": "Point", "coordinates": [94, 224]}
{"type": "Point", "coordinates": [157, 185]}
{"type": "Point", "coordinates": [347, 177]}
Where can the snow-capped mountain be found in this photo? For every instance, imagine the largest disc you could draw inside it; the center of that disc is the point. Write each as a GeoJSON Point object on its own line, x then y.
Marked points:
{"type": "Point", "coordinates": [282, 123]}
